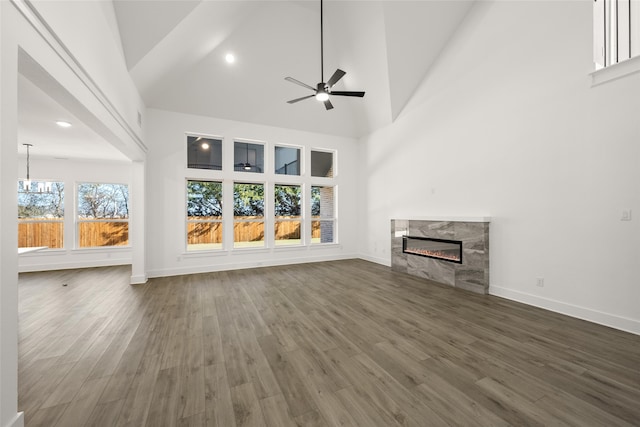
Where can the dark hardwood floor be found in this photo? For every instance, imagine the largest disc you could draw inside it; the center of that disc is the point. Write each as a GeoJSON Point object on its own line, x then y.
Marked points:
{"type": "Point", "coordinates": [336, 343]}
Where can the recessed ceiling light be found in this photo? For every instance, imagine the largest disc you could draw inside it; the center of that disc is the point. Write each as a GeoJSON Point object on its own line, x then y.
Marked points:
{"type": "Point", "coordinates": [63, 124]}
{"type": "Point", "coordinates": [230, 58]}
{"type": "Point", "coordinates": [205, 146]}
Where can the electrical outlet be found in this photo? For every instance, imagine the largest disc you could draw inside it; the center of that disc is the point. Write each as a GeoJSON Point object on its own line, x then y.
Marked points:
{"type": "Point", "coordinates": [626, 215]}
{"type": "Point", "coordinates": [540, 282]}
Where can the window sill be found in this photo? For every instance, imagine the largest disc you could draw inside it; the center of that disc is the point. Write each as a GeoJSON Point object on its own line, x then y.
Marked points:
{"type": "Point", "coordinates": [615, 71]}
{"type": "Point", "coordinates": [40, 252]}
{"type": "Point", "coordinates": [205, 254]}
{"type": "Point", "coordinates": [103, 249]}
{"type": "Point", "coordinates": [285, 248]}
{"type": "Point", "coordinates": [325, 245]}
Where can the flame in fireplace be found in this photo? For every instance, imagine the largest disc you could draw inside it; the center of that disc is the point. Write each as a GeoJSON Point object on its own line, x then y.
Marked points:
{"type": "Point", "coordinates": [434, 254]}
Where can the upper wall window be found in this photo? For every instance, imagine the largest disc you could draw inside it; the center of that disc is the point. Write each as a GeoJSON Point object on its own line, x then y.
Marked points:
{"type": "Point", "coordinates": [40, 214]}
{"type": "Point", "coordinates": [248, 157]}
{"type": "Point", "coordinates": [103, 215]}
{"type": "Point", "coordinates": [287, 160]}
{"type": "Point", "coordinates": [204, 153]}
{"type": "Point", "coordinates": [322, 164]}
{"type": "Point", "coordinates": [616, 31]}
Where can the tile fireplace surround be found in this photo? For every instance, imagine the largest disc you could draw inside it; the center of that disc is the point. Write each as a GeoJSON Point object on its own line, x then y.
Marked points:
{"type": "Point", "coordinates": [472, 274]}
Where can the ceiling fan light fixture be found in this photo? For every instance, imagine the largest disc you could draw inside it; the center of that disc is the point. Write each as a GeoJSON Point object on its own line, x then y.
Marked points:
{"type": "Point", "coordinates": [322, 96]}
{"type": "Point", "coordinates": [323, 89]}
{"type": "Point", "coordinates": [247, 166]}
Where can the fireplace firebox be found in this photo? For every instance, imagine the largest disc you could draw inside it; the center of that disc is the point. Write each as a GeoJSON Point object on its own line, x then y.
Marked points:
{"type": "Point", "coordinates": [446, 250]}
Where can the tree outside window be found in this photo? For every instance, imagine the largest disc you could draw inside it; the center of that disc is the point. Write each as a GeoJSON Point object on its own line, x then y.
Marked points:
{"type": "Point", "coordinates": [248, 215]}
{"type": "Point", "coordinates": [103, 215]}
{"type": "Point", "coordinates": [204, 215]}
{"type": "Point", "coordinates": [288, 219]}
{"type": "Point", "coordinates": [41, 215]}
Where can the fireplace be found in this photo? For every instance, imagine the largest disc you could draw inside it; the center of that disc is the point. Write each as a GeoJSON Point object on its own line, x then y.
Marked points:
{"type": "Point", "coordinates": [446, 250]}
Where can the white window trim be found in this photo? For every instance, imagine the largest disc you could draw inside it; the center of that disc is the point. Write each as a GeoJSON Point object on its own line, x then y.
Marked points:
{"type": "Point", "coordinates": [615, 71]}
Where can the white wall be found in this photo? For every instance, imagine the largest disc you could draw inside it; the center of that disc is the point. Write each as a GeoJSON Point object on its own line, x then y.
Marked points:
{"type": "Point", "coordinates": [166, 181]}
{"type": "Point", "coordinates": [507, 124]}
{"type": "Point", "coordinates": [86, 77]}
{"type": "Point", "coordinates": [89, 31]}
{"type": "Point", "coordinates": [72, 172]}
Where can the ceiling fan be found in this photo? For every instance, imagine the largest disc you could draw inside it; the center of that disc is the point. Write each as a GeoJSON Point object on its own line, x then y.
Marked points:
{"type": "Point", "coordinates": [323, 89]}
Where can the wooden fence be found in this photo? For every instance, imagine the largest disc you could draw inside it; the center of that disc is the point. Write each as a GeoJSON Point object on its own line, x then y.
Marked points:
{"type": "Point", "coordinates": [211, 232]}
{"type": "Point", "coordinates": [34, 232]}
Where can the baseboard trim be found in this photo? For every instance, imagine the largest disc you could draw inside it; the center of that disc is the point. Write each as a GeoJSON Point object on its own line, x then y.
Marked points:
{"type": "Point", "coordinates": [139, 279]}
{"type": "Point", "coordinates": [17, 421]}
{"type": "Point", "coordinates": [109, 262]}
{"type": "Point", "coordinates": [377, 260]}
{"type": "Point", "coordinates": [606, 319]}
{"type": "Point", "coordinates": [243, 265]}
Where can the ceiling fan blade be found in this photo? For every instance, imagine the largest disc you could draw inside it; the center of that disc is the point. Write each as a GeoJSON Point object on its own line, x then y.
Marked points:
{"type": "Point", "coordinates": [328, 105]}
{"type": "Point", "coordinates": [293, 101]}
{"type": "Point", "coordinates": [347, 93]}
{"type": "Point", "coordinates": [336, 76]}
{"type": "Point", "coordinates": [298, 82]}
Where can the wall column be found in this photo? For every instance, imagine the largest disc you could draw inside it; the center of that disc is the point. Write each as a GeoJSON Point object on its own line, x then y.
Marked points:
{"type": "Point", "coordinates": [9, 416]}
{"type": "Point", "coordinates": [137, 223]}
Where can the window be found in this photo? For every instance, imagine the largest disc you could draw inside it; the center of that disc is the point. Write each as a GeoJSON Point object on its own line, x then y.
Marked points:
{"type": "Point", "coordinates": [41, 215]}
{"type": "Point", "coordinates": [204, 153]}
{"type": "Point", "coordinates": [287, 204]}
{"type": "Point", "coordinates": [322, 214]}
{"type": "Point", "coordinates": [322, 164]}
{"type": "Point", "coordinates": [204, 215]}
{"type": "Point", "coordinates": [287, 160]}
{"type": "Point", "coordinates": [248, 215]}
{"type": "Point", "coordinates": [103, 215]}
{"type": "Point", "coordinates": [248, 157]}
{"type": "Point", "coordinates": [616, 31]}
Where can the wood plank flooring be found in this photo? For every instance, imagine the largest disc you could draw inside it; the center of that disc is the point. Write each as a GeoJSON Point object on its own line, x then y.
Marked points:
{"type": "Point", "coordinates": [346, 343]}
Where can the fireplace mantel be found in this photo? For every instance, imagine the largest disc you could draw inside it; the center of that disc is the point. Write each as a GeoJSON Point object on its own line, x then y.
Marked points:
{"type": "Point", "coordinates": [450, 218]}
{"type": "Point", "coordinates": [472, 274]}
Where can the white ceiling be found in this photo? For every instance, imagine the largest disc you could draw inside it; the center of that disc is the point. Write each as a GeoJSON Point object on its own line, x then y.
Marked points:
{"type": "Point", "coordinates": [37, 116]}
{"type": "Point", "coordinates": [175, 53]}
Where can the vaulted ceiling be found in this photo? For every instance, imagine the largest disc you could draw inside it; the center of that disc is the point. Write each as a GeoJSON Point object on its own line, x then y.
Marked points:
{"type": "Point", "coordinates": [175, 54]}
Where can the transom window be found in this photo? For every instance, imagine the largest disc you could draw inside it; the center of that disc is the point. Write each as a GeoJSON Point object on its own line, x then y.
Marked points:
{"type": "Point", "coordinates": [322, 164]}
{"type": "Point", "coordinates": [248, 157]}
{"type": "Point", "coordinates": [204, 153]}
{"type": "Point", "coordinates": [287, 160]}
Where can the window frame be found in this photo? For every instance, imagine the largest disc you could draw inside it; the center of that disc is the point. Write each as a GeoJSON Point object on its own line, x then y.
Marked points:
{"type": "Point", "coordinates": [301, 171]}
{"type": "Point", "coordinates": [78, 221]}
{"type": "Point", "coordinates": [300, 219]}
{"type": "Point", "coordinates": [263, 144]}
{"type": "Point", "coordinates": [205, 136]}
{"type": "Point", "coordinates": [334, 163]}
{"type": "Point", "coordinates": [333, 218]}
{"type": "Point", "coordinates": [263, 219]}
{"type": "Point", "coordinates": [220, 221]}
{"type": "Point", "coordinates": [60, 220]}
